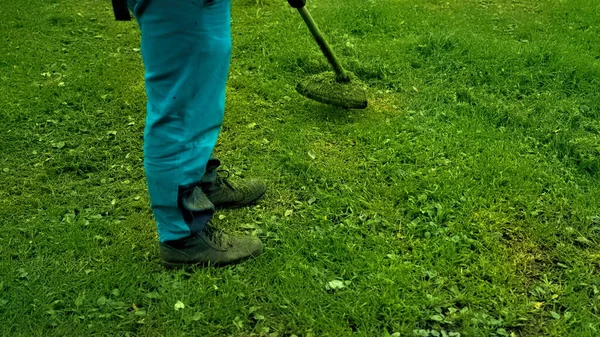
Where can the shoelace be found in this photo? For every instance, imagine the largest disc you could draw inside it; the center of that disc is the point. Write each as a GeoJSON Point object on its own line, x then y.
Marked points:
{"type": "Point", "coordinates": [213, 233]}
{"type": "Point", "coordinates": [222, 181]}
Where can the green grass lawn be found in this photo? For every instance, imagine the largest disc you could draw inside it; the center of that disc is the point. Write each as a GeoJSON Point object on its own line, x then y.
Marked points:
{"type": "Point", "coordinates": [463, 202]}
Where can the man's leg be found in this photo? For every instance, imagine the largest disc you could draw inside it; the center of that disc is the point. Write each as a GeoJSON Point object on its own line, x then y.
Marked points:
{"type": "Point", "coordinates": [186, 47]}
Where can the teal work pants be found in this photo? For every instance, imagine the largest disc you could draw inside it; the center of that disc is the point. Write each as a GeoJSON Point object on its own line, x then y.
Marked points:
{"type": "Point", "coordinates": [186, 50]}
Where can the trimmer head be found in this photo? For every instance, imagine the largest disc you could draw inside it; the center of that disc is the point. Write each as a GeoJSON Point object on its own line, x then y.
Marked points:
{"type": "Point", "coordinates": [325, 88]}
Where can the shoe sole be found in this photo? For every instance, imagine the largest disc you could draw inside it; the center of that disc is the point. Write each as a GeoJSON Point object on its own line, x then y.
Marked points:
{"type": "Point", "coordinates": [180, 265]}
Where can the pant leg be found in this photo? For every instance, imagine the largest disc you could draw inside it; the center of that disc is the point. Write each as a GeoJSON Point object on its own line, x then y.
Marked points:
{"type": "Point", "coordinates": [186, 49]}
{"type": "Point", "coordinates": [210, 174]}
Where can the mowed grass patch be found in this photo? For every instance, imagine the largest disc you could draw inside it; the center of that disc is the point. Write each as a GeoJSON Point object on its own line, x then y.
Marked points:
{"type": "Point", "coordinates": [463, 201]}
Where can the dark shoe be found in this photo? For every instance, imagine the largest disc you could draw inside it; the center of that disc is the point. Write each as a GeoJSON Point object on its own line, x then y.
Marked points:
{"type": "Point", "coordinates": [223, 194]}
{"type": "Point", "coordinates": [209, 247]}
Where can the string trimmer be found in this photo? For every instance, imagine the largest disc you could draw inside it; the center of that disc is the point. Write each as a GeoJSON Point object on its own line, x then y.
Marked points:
{"type": "Point", "coordinates": [335, 89]}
